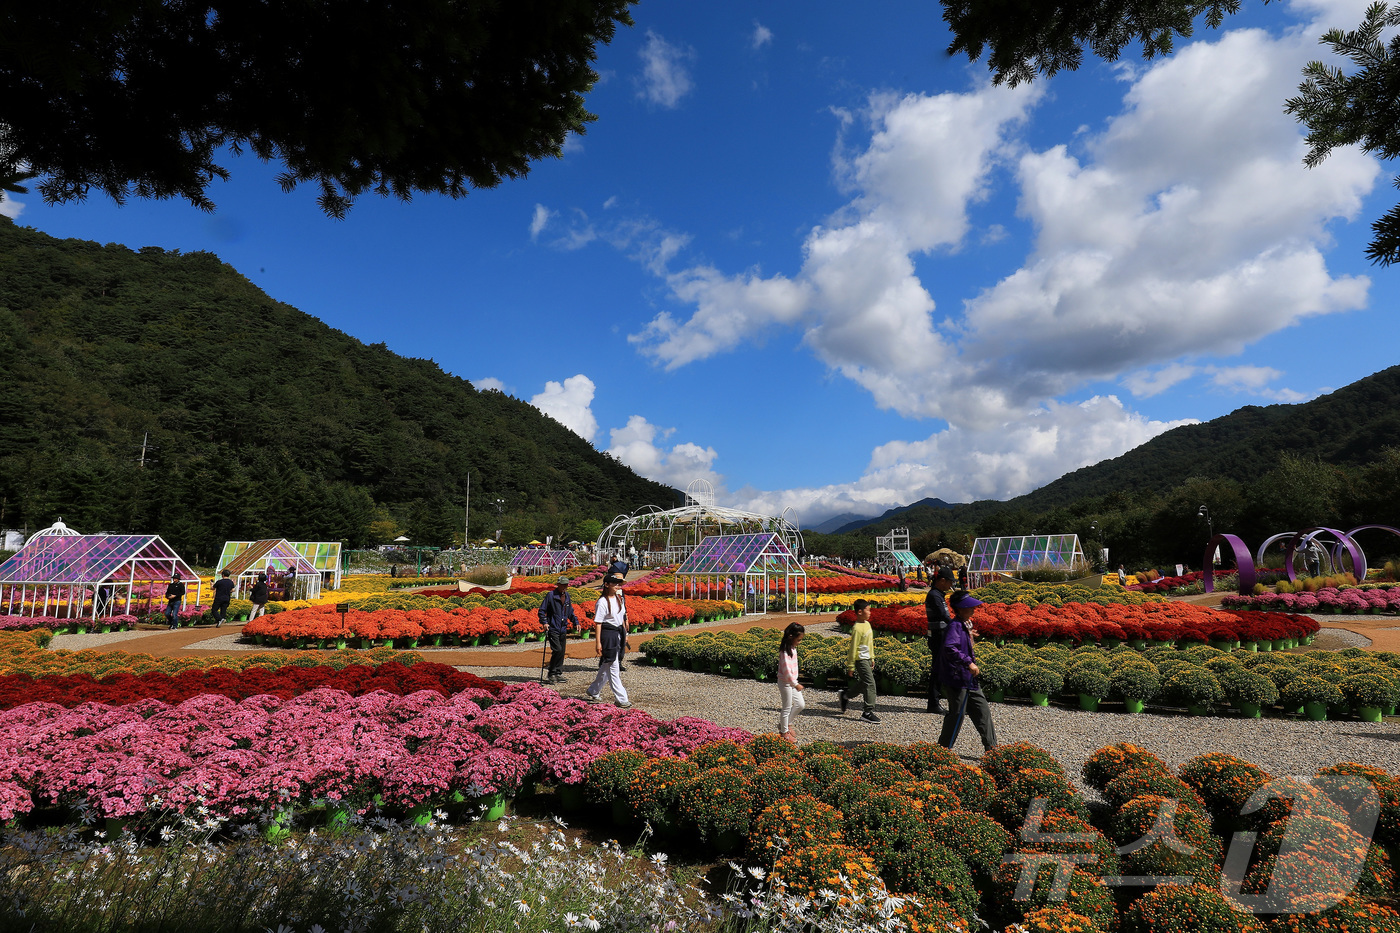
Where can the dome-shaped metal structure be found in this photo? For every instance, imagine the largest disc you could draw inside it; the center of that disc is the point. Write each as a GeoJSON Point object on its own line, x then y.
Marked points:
{"type": "Point", "coordinates": [56, 530]}
{"type": "Point", "coordinates": [667, 536]}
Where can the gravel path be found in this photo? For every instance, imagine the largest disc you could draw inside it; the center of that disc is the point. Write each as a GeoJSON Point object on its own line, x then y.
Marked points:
{"type": "Point", "coordinates": [1277, 745]}
{"type": "Point", "coordinates": [97, 640]}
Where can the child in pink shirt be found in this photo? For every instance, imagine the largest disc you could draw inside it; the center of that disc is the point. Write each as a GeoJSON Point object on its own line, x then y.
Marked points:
{"type": "Point", "coordinates": [789, 690]}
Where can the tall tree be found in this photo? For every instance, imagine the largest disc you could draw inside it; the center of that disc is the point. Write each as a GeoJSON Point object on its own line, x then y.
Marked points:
{"type": "Point", "coordinates": [395, 96]}
{"type": "Point", "coordinates": [1026, 39]}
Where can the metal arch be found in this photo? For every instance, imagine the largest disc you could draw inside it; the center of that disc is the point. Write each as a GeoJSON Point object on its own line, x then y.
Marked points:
{"type": "Point", "coordinates": [1358, 559]}
{"type": "Point", "coordinates": [1364, 568]}
{"type": "Point", "coordinates": [1244, 563]}
{"type": "Point", "coordinates": [1259, 554]}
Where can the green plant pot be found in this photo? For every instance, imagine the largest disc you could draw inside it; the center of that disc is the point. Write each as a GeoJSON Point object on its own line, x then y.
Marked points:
{"type": "Point", "coordinates": [1250, 645]}
{"type": "Point", "coordinates": [495, 806]}
{"type": "Point", "coordinates": [280, 827]}
{"type": "Point", "coordinates": [520, 639]}
{"type": "Point", "coordinates": [759, 674]}
{"type": "Point", "coordinates": [1133, 706]}
{"type": "Point", "coordinates": [1040, 699]}
{"type": "Point", "coordinates": [1111, 643]}
{"type": "Point", "coordinates": [1316, 712]}
{"type": "Point", "coordinates": [1088, 704]}
{"type": "Point", "coordinates": [493, 639]}
{"type": "Point", "coordinates": [475, 641]}
{"type": "Point", "coordinates": [1195, 710]}
{"type": "Point", "coordinates": [421, 815]}
{"type": "Point", "coordinates": [81, 630]}
{"type": "Point", "coordinates": [571, 796]}
{"type": "Point", "coordinates": [819, 681]}
{"type": "Point", "coordinates": [1266, 646]}
{"type": "Point", "coordinates": [341, 644]}
{"type": "Point", "coordinates": [365, 643]}
{"type": "Point", "coordinates": [1137, 644]}
{"type": "Point", "coordinates": [716, 668]}
{"type": "Point", "coordinates": [1251, 710]}
{"type": "Point", "coordinates": [653, 660]}
{"type": "Point", "coordinates": [1390, 710]}
{"type": "Point", "coordinates": [898, 689]}
{"type": "Point", "coordinates": [337, 819]}
{"type": "Point", "coordinates": [1222, 645]}
{"type": "Point", "coordinates": [1280, 644]}
{"type": "Point", "coordinates": [257, 639]}
{"type": "Point", "coordinates": [996, 696]}
{"type": "Point", "coordinates": [1369, 713]}
{"type": "Point", "coordinates": [106, 629]}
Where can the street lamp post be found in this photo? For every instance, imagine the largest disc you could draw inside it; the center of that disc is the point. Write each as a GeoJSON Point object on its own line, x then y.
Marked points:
{"type": "Point", "coordinates": [1204, 512]}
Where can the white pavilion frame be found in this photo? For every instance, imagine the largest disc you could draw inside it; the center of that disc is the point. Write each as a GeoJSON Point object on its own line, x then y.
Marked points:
{"type": "Point", "coordinates": [893, 550]}
{"type": "Point", "coordinates": [669, 536]}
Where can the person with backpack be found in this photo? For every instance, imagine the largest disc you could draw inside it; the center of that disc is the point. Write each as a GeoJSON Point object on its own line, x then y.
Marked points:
{"type": "Point", "coordinates": [860, 669]}
{"type": "Point", "coordinates": [611, 643]}
{"type": "Point", "coordinates": [789, 690]}
{"type": "Point", "coordinates": [174, 596]}
{"type": "Point", "coordinates": [958, 673]}
{"type": "Point", "coordinates": [258, 597]}
{"type": "Point", "coordinates": [936, 610]}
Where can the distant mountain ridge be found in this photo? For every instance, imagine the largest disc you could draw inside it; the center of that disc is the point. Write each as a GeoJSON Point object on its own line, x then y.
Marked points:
{"type": "Point", "coordinates": [1347, 427]}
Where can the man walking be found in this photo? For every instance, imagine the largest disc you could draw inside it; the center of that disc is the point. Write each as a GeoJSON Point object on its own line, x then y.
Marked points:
{"type": "Point", "coordinates": [174, 596]}
{"type": "Point", "coordinates": [223, 592]}
{"type": "Point", "coordinates": [557, 617]}
{"type": "Point", "coordinates": [936, 609]}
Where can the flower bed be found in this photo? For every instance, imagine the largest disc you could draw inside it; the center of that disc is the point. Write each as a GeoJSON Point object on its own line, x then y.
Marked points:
{"type": "Point", "coordinates": [1057, 594]}
{"type": "Point", "coordinates": [1351, 600]}
{"type": "Point", "coordinates": [470, 623]}
{"type": "Point", "coordinates": [120, 688]}
{"type": "Point", "coordinates": [235, 758]}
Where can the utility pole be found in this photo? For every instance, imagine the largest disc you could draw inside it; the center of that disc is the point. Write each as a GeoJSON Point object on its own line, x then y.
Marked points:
{"type": "Point", "coordinates": [145, 445]}
{"type": "Point", "coordinates": [467, 522]}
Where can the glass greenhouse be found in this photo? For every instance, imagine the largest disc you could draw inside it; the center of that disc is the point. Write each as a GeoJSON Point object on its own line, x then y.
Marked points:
{"type": "Point", "coordinates": [1009, 556]}
{"type": "Point", "coordinates": [76, 575]}
{"type": "Point", "coordinates": [746, 568]}
{"type": "Point", "coordinates": [276, 557]}
{"type": "Point", "coordinates": [324, 556]}
{"type": "Point", "coordinates": [533, 561]}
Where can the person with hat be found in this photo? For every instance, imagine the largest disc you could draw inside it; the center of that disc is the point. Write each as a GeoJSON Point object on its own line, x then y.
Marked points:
{"type": "Point", "coordinates": [610, 617]}
{"type": "Point", "coordinates": [936, 609]}
{"type": "Point", "coordinates": [958, 673]}
{"type": "Point", "coordinates": [174, 596]}
{"type": "Point", "coordinates": [557, 617]}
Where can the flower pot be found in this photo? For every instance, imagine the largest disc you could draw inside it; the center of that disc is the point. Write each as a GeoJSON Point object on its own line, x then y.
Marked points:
{"type": "Point", "coordinates": [1266, 646]}
{"type": "Point", "coordinates": [336, 819]}
{"type": "Point", "coordinates": [1251, 710]}
{"type": "Point", "coordinates": [1138, 644]}
{"type": "Point", "coordinates": [257, 639]}
{"type": "Point", "coordinates": [421, 815]}
{"type": "Point", "coordinates": [1088, 704]}
{"type": "Point", "coordinates": [571, 796]}
{"type": "Point", "coordinates": [365, 644]}
{"type": "Point", "coordinates": [1317, 712]}
{"type": "Point", "coordinates": [1111, 643]}
{"type": "Point", "coordinates": [1280, 644]}
{"type": "Point", "coordinates": [819, 681]}
{"type": "Point", "coordinates": [1195, 710]}
{"type": "Point", "coordinates": [1250, 645]}
{"type": "Point", "coordinates": [759, 674]}
{"type": "Point", "coordinates": [996, 696]}
{"type": "Point", "coordinates": [1133, 706]}
{"type": "Point", "coordinates": [493, 639]}
{"type": "Point", "coordinates": [81, 630]}
{"type": "Point", "coordinates": [495, 806]}
{"type": "Point", "coordinates": [280, 827]}
{"type": "Point", "coordinates": [520, 639]}
{"type": "Point", "coordinates": [716, 668]}
{"type": "Point", "coordinates": [106, 628]}
{"type": "Point", "coordinates": [1390, 710]}
{"type": "Point", "coordinates": [437, 641]}
{"type": "Point", "coordinates": [1221, 644]}
{"type": "Point", "coordinates": [1040, 699]}
{"type": "Point", "coordinates": [474, 641]}
{"type": "Point", "coordinates": [341, 644]}
{"type": "Point", "coordinates": [1369, 713]}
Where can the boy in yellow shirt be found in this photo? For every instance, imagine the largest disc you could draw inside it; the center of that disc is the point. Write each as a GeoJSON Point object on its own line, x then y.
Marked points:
{"type": "Point", "coordinates": [861, 662]}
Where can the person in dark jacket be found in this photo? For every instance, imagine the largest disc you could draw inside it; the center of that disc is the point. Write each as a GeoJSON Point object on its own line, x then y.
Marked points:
{"type": "Point", "coordinates": [957, 669]}
{"type": "Point", "coordinates": [618, 567]}
{"type": "Point", "coordinates": [174, 596]}
{"type": "Point", "coordinates": [258, 596]}
{"type": "Point", "coordinates": [223, 592]}
{"type": "Point", "coordinates": [557, 617]}
{"type": "Point", "coordinates": [936, 609]}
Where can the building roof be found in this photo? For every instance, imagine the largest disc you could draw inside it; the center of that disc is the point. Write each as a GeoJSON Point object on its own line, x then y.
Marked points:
{"type": "Point", "coordinates": [95, 559]}
{"type": "Point", "coordinates": [737, 554]}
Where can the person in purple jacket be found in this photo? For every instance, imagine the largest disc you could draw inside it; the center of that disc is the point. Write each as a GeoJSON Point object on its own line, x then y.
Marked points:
{"type": "Point", "coordinates": [957, 671]}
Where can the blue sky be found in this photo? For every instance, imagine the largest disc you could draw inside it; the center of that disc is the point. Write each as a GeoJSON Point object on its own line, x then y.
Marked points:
{"type": "Point", "coordinates": [812, 259]}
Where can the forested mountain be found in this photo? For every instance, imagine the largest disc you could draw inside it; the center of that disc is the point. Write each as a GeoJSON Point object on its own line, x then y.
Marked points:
{"type": "Point", "coordinates": [1332, 461]}
{"type": "Point", "coordinates": [263, 420]}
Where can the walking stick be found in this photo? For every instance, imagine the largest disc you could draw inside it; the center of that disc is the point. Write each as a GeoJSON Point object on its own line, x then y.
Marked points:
{"type": "Point", "coordinates": [543, 648]}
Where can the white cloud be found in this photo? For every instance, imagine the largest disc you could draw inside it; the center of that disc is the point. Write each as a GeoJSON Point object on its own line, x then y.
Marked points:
{"type": "Point", "coordinates": [489, 384]}
{"type": "Point", "coordinates": [539, 220]}
{"type": "Point", "coordinates": [1186, 227]}
{"type": "Point", "coordinates": [570, 403]}
{"type": "Point", "coordinates": [1245, 378]}
{"type": "Point", "coordinates": [665, 78]}
{"type": "Point", "coordinates": [962, 464]}
{"type": "Point", "coordinates": [636, 445]}
{"type": "Point", "coordinates": [573, 144]}
{"type": "Point", "coordinates": [1144, 384]}
{"type": "Point", "coordinates": [762, 36]}
{"type": "Point", "coordinates": [9, 207]}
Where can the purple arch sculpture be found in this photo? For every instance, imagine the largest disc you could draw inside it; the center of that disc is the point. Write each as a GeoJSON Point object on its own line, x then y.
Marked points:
{"type": "Point", "coordinates": [1358, 559]}
{"type": "Point", "coordinates": [1244, 563]}
{"type": "Point", "coordinates": [1364, 568]}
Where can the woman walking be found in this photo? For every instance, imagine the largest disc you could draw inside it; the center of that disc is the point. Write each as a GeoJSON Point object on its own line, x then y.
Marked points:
{"type": "Point", "coordinates": [958, 674]}
{"type": "Point", "coordinates": [611, 642]}
{"type": "Point", "coordinates": [789, 690]}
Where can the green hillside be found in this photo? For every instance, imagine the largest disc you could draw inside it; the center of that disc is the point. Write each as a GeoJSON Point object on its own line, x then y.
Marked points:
{"type": "Point", "coordinates": [1333, 461]}
{"type": "Point", "coordinates": [264, 420]}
